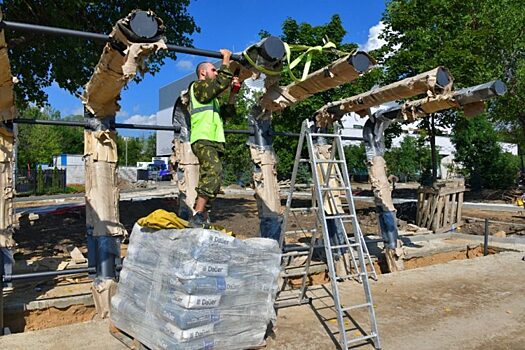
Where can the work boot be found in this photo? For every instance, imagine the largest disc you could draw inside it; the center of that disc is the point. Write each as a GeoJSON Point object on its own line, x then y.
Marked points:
{"type": "Point", "coordinates": [199, 220]}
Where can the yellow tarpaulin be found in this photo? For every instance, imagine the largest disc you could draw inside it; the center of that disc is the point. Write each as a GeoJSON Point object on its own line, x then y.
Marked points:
{"type": "Point", "coordinates": [162, 219]}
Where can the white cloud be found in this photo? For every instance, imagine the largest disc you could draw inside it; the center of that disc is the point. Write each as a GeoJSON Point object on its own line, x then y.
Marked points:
{"type": "Point", "coordinates": [184, 65]}
{"type": "Point", "coordinates": [142, 119]}
{"type": "Point", "coordinates": [374, 42]}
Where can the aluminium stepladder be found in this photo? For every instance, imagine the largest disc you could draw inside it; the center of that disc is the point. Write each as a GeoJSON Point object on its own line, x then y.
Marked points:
{"type": "Point", "coordinates": [325, 196]}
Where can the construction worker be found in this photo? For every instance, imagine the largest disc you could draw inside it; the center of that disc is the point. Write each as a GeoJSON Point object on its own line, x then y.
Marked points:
{"type": "Point", "coordinates": [207, 134]}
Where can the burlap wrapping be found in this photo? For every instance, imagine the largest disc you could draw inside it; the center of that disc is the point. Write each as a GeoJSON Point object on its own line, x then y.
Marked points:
{"type": "Point", "coordinates": [6, 188]}
{"type": "Point", "coordinates": [101, 145]}
{"type": "Point", "coordinates": [102, 198]}
{"type": "Point", "coordinates": [332, 201]}
{"type": "Point", "coordinates": [103, 291]}
{"type": "Point", "coordinates": [413, 110]}
{"type": "Point", "coordinates": [113, 72]}
{"type": "Point", "coordinates": [424, 83]}
{"type": "Point", "coordinates": [7, 99]}
{"type": "Point", "coordinates": [379, 182]}
{"type": "Point", "coordinates": [266, 187]}
{"type": "Point", "coordinates": [337, 73]}
{"type": "Point", "coordinates": [187, 171]}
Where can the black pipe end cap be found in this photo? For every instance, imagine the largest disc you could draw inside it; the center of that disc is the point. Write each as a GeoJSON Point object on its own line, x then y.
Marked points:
{"type": "Point", "coordinates": [272, 49]}
{"type": "Point", "coordinates": [144, 25]}
{"type": "Point", "coordinates": [499, 88]}
{"type": "Point", "coordinates": [442, 77]}
{"type": "Point", "coordinates": [360, 61]}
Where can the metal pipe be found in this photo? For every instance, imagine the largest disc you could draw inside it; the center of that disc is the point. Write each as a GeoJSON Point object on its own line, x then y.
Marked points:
{"type": "Point", "coordinates": [486, 239]}
{"type": "Point", "coordinates": [45, 274]}
{"type": "Point", "coordinates": [154, 127]}
{"type": "Point", "coordinates": [26, 27]}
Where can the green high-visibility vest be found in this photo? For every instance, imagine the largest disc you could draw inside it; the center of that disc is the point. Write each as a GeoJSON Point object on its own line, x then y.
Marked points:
{"type": "Point", "coordinates": [206, 122]}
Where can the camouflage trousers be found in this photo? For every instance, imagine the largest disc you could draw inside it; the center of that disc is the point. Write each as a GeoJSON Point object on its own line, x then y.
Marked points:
{"type": "Point", "coordinates": [210, 167]}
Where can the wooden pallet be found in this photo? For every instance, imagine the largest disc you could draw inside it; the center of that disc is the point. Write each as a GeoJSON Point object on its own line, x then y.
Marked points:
{"type": "Point", "coordinates": [439, 207]}
{"type": "Point", "coordinates": [126, 339]}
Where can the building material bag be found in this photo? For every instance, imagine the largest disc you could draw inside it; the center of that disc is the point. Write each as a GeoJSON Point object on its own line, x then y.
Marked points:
{"type": "Point", "coordinates": [196, 289]}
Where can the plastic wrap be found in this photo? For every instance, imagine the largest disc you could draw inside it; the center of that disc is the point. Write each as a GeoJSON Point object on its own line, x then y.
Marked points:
{"type": "Point", "coordinates": [196, 289]}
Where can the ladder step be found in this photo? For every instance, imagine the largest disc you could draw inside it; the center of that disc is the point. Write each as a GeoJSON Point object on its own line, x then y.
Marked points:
{"type": "Point", "coordinates": [342, 216]}
{"type": "Point", "coordinates": [363, 338]}
{"type": "Point", "coordinates": [352, 275]}
{"type": "Point", "coordinates": [325, 135]}
{"type": "Point", "coordinates": [300, 231]}
{"type": "Point", "coordinates": [306, 209]}
{"type": "Point", "coordinates": [302, 160]}
{"type": "Point", "coordinates": [322, 161]}
{"type": "Point", "coordinates": [344, 246]}
{"type": "Point", "coordinates": [334, 188]}
{"type": "Point", "coordinates": [344, 309]}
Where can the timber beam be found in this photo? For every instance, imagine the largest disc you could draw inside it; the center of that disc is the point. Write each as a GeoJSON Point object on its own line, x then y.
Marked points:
{"type": "Point", "coordinates": [7, 114]}
{"type": "Point", "coordinates": [342, 71]}
{"type": "Point", "coordinates": [434, 82]}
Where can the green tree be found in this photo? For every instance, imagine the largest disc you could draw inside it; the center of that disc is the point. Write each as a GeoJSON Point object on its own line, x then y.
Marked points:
{"type": "Point", "coordinates": [356, 159]}
{"type": "Point", "coordinates": [477, 40]}
{"type": "Point", "coordinates": [411, 160]}
{"type": "Point", "coordinates": [290, 119]}
{"type": "Point", "coordinates": [485, 165]}
{"type": "Point", "coordinates": [38, 143]}
{"type": "Point", "coordinates": [39, 60]}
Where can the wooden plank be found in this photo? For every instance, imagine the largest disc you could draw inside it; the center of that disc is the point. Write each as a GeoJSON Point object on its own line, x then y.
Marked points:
{"type": "Point", "coordinates": [426, 210]}
{"type": "Point", "coordinates": [444, 221]}
{"type": "Point", "coordinates": [419, 205]}
{"type": "Point", "coordinates": [432, 210]}
{"type": "Point", "coordinates": [126, 339]}
{"type": "Point", "coordinates": [424, 204]}
{"type": "Point", "coordinates": [438, 214]}
{"type": "Point", "coordinates": [460, 206]}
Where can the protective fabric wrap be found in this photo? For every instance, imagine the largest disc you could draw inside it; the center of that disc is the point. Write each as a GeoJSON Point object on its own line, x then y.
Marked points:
{"type": "Point", "coordinates": [7, 112]}
{"type": "Point", "coordinates": [267, 191]}
{"type": "Point", "coordinates": [7, 99]}
{"type": "Point", "coordinates": [422, 83]}
{"type": "Point", "coordinates": [102, 198]}
{"type": "Point", "coordinates": [332, 202]}
{"type": "Point", "coordinates": [337, 73]}
{"type": "Point", "coordinates": [118, 64]}
{"type": "Point", "coordinates": [6, 189]}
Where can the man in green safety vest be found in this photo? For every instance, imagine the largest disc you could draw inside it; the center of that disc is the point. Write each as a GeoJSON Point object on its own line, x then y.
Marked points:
{"type": "Point", "coordinates": [207, 133]}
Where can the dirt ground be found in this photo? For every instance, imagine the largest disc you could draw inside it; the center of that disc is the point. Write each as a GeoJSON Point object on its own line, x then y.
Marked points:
{"type": "Point", "coordinates": [44, 240]}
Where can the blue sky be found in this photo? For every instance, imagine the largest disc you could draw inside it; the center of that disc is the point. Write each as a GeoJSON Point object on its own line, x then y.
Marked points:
{"type": "Point", "coordinates": [233, 25]}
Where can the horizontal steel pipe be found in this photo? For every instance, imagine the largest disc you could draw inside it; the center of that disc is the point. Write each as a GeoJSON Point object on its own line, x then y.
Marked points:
{"type": "Point", "coordinates": [153, 127]}
{"type": "Point", "coordinates": [464, 98]}
{"type": "Point", "coordinates": [480, 92]}
{"type": "Point", "coordinates": [46, 274]}
{"type": "Point", "coordinates": [26, 27]}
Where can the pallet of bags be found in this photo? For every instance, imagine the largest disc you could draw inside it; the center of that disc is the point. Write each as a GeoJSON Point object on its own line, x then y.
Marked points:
{"type": "Point", "coordinates": [196, 289]}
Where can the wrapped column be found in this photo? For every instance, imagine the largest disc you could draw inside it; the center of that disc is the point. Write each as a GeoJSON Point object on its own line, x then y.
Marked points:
{"type": "Point", "coordinates": [132, 40]}
{"type": "Point", "coordinates": [7, 114]}
{"type": "Point", "coordinates": [265, 174]}
{"type": "Point", "coordinates": [186, 163]}
{"type": "Point", "coordinates": [373, 135]}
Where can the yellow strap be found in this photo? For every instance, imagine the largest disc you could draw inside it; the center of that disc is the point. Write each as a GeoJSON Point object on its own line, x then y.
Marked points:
{"type": "Point", "coordinates": [306, 55]}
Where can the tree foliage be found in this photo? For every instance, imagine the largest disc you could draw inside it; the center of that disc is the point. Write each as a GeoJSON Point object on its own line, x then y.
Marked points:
{"type": "Point", "coordinates": [290, 119]}
{"type": "Point", "coordinates": [411, 160]}
{"type": "Point", "coordinates": [478, 40]}
{"type": "Point", "coordinates": [39, 60]}
{"type": "Point", "coordinates": [485, 165]}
